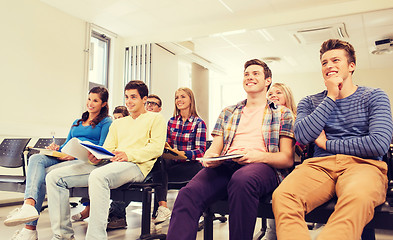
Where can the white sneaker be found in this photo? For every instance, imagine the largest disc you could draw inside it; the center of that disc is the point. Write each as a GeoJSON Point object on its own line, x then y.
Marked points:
{"type": "Point", "coordinates": [26, 213]}
{"type": "Point", "coordinates": [77, 217]}
{"type": "Point", "coordinates": [163, 214]}
{"type": "Point", "coordinates": [25, 234]}
{"type": "Point", "coordinates": [155, 228]}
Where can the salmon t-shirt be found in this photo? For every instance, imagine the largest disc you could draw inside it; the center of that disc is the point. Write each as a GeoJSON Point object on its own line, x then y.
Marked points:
{"type": "Point", "coordinates": [249, 132]}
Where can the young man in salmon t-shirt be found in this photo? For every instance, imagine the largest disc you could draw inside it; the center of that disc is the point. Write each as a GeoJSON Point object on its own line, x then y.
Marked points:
{"type": "Point", "coordinates": [263, 133]}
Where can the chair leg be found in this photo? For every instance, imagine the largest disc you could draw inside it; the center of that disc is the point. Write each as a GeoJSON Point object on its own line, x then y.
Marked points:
{"type": "Point", "coordinates": [368, 234]}
{"type": "Point", "coordinates": [261, 232]}
{"type": "Point", "coordinates": [146, 211]}
{"type": "Point", "coordinates": [221, 218]}
{"type": "Point", "coordinates": [208, 225]}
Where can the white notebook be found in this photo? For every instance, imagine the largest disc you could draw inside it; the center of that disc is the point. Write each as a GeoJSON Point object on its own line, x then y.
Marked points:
{"type": "Point", "coordinates": [220, 158]}
{"type": "Point", "coordinates": [79, 149]}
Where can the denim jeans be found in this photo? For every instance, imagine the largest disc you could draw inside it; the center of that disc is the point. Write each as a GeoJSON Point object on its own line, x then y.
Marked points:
{"type": "Point", "coordinates": [37, 169]}
{"type": "Point", "coordinates": [99, 179]}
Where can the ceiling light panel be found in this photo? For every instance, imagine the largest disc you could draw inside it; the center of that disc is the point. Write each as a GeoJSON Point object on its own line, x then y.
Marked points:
{"type": "Point", "coordinates": [321, 33]}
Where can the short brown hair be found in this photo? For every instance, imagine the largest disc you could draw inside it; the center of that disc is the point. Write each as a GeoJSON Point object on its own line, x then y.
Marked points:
{"type": "Point", "coordinates": [332, 44]}
{"type": "Point", "coordinates": [266, 70]}
{"type": "Point", "coordinates": [121, 109]}
{"type": "Point", "coordinates": [139, 86]}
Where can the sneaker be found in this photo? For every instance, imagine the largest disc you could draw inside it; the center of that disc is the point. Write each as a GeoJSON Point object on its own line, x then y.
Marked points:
{"type": "Point", "coordinates": [26, 213]}
{"type": "Point", "coordinates": [57, 237]}
{"type": "Point", "coordinates": [155, 228]}
{"type": "Point", "coordinates": [115, 223]}
{"type": "Point", "coordinates": [25, 234]}
{"type": "Point", "coordinates": [77, 217]}
{"type": "Point", "coordinates": [163, 213]}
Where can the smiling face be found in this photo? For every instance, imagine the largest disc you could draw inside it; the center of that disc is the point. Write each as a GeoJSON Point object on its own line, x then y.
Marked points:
{"type": "Point", "coordinates": [153, 105]}
{"type": "Point", "coordinates": [254, 79]}
{"type": "Point", "coordinates": [135, 104]}
{"type": "Point", "coordinates": [182, 100]}
{"type": "Point", "coordinates": [335, 64]}
{"type": "Point", "coordinates": [277, 96]}
{"type": "Point", "coordinates": [94, 103]}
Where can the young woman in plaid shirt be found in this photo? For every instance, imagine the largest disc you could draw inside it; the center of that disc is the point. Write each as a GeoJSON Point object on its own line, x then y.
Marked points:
{"type": "Point", "coordinates": [186, 133]}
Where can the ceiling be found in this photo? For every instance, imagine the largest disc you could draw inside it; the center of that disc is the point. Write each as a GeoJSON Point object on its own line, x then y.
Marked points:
{"type": "Point", "coordinates": [225, 33]}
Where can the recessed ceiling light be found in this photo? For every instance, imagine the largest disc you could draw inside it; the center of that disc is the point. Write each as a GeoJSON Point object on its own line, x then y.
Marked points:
{"type": "Point", "coordinates": [271, 59]}
{"type": "Point", "coordinates": [382, 51]}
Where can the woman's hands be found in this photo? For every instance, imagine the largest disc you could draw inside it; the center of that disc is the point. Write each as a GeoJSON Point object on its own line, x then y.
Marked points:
{"type": "Point", "coordinates": [66, 158]}
{"type": "Point", "coordinates": [53, 147]}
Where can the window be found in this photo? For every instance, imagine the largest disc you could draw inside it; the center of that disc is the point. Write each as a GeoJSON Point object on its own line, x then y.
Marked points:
{"type": "Point", "coordinates": [99, 60]}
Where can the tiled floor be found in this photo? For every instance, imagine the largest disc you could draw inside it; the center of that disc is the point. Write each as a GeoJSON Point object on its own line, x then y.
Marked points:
{"type": "Point", "coordinates": [133, 220]}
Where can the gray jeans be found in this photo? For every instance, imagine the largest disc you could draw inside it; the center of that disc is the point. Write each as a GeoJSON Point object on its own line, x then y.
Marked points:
{"type": "Point", "coordinates": [99, 180]}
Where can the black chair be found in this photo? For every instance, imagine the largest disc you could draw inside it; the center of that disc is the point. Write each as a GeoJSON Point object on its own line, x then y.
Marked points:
{"type": "Point", "coordinates": [42, 143]}
{"type": "Point", "coordinates": [176, 183]}
{"type": "Point", "coordinates": [12, 156]}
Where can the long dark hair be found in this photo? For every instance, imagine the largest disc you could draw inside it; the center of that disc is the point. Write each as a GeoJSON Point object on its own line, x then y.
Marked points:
{"type": "Point", "coordinates": [103, 93]}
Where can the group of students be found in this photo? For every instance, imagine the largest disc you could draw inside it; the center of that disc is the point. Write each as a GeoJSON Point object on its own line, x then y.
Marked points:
{"type": "Point", "coordinates": [350, 128]}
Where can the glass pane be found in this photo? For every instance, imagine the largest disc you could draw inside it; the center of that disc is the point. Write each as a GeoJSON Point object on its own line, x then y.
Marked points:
{"type": "Point", "coordinates": [98, 61]}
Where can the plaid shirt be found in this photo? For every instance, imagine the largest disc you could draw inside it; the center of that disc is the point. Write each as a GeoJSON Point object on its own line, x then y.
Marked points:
{"type": "Point", "coordinates": [277, 121]}
{"type": "Point", "coordinates": [188, 136]}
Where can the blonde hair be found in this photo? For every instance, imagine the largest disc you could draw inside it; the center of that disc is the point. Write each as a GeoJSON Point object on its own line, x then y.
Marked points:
{"type": "Point", "coordinates": [290, 102]}
{"type": "Point", "coordinates": [193, 110]}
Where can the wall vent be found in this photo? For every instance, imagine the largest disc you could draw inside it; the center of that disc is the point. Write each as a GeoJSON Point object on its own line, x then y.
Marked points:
{"type": "Point", "coordinates": [321, 34]}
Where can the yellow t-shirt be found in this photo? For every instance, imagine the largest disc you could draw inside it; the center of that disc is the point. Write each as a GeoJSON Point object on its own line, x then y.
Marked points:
{"type": "Point", "coordinates": [142, 139]}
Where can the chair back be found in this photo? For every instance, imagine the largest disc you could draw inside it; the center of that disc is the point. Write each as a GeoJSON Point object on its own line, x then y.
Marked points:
{"type": "Point", "coordinates": [44, 142]}
{"type": "Point", "coordinates": [208, 144]}
{"type": "Point", "coordinates": [156, 168]}
{"type": "Point", "coordinates": [388, 158]}
{"type": "Point", "coordinates": [11, 152]}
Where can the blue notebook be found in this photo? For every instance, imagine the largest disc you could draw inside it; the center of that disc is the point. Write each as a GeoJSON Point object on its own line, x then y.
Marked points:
{"type": "Point", "coordinates": [97, 148]}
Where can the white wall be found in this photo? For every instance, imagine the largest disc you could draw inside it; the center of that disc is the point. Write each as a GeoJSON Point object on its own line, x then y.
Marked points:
{"type": "Point", "coordinates": [43, 85]}
{"type": "Point", "coordinates": [42, 67]}
{"type": "Point", "coordinates": [164, 78]}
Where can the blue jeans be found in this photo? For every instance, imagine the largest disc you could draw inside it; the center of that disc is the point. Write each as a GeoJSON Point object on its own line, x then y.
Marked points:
{"type": "Point", "coordinates": [243, 185]}
{"type": "Point", "coordinates": [37, 168]}
{"type": "Point", "coordinates": [99, 179]}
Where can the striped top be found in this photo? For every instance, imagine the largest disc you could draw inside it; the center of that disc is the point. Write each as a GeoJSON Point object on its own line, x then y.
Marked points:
{"type": "Point", "coordinates": [358, 125]}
